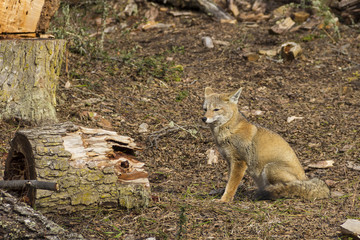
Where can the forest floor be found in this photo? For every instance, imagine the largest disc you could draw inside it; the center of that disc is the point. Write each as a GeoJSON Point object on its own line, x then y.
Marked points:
{"type": "Point", "coordinates": [157, 76]}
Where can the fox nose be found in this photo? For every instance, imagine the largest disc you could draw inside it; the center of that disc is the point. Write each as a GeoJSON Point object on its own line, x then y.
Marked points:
{"type": "Point", "coordinates": [204, 119]}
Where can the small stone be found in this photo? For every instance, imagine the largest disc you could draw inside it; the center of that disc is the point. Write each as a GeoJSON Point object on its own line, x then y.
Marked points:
{"type": "Point", "coordinates": [143, 128]}
{"type": "Point", "coordinates": [208, 42]}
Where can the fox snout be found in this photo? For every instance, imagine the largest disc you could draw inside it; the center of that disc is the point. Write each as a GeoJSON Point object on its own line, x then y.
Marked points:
{"type": "Point", "coordinates": [204, 119]}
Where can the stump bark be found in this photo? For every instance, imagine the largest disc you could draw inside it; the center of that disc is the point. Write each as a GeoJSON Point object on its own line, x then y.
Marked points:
{"type": "Point", "coordinates": [19, 221]}
{"type": "Point", "coordinates": [93, 167]}
{"type": "Point", "coordinates": [29, 70]}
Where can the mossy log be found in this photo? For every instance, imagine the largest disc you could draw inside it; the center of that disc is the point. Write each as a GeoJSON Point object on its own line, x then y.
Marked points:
{"type": "Point", "coordinates": [29, 71]}
{"type": "Point", "coordinates": [93, 167]}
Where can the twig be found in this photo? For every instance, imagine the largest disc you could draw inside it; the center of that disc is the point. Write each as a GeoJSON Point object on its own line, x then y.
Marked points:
{"type": "Point", "coordinates": [329, 36]}
{"type": "Point", "coordinates": [153, 137]}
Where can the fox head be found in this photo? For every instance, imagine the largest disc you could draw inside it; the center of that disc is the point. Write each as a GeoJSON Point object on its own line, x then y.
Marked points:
{"type": "Point", "coordinates": [220, 108]}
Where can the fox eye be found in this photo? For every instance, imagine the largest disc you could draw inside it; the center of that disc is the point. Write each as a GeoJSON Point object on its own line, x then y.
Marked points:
{"type": "Point", "coordinates": [205, 109]}
{"type": "Point", "coordinates": [216, 109]}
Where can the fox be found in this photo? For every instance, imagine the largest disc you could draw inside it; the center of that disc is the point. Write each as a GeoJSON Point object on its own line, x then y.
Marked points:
{"type": "Point", "coordinates": [257, 151]}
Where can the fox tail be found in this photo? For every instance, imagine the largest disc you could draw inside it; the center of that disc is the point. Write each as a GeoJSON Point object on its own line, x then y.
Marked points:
{"type": "Point", "coordinates": [308, 189]}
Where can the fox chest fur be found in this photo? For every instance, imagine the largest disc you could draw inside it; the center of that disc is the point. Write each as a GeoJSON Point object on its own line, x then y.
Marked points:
{"type": "Point", "coordinates": [235, 144]}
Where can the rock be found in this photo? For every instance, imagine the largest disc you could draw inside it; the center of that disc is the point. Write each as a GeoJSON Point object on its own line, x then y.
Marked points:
{"type": "Point", "coordinates": [207, 41]}
{"type": "Point", "coordinates": [351, 227]}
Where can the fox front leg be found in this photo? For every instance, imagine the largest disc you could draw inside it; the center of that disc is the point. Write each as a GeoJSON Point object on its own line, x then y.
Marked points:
{"type": "Point", "coordinates": [237, 171]}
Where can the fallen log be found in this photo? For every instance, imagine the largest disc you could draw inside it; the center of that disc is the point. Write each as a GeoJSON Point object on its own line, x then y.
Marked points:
{"type": "Point", "coordinates": [21, 184]}
{"type": "Point", "coordinates": [19, 221]}
{"type": "Point", "coordinates": [93, 167]}
{"type": "Point", "coordinates": [207, 6]}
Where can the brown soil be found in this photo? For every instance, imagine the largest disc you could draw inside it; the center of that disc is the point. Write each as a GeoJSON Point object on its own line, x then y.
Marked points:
{"type": "Point", "coordinates": [139, 80]}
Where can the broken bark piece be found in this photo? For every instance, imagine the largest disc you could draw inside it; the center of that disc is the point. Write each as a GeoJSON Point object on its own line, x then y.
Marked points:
{"type": "Point", "coordinates": [282, 26]}
{"type": "Point", "coordinates": [251, 57]}
{"type": "Point", "coordinates": [155, 25]}
{"type": "Point", "coordinates": [207, 6]}
{"type": "Point", "coordinates": [283, 11]}
{"type": "Point", "coordinates": [351, 227]}
{"type": "Point", "coordinates": [270, 53]}
{"type": "Point", "coordinates": [212, 156]}
{"type": "Point", "coordinates": [92, 167]}
{"type": "Point", "coordinates": [322, 164]}
{"type": "Point", "coordinates": [233, 8]}
{"type": "Point", "coordinates": [311, 23]}
{"type": "Point", "coordinates": [300, 17]}
{"type": "Point", "coordinates": [290, 50]}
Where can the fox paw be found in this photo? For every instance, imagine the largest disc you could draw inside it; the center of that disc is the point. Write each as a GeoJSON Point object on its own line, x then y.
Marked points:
{"type": "Point", "coordinates": [222, 200]}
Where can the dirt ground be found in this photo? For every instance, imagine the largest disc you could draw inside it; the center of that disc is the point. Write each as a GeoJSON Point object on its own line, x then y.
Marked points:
{"type": "Point", "coordinates": [158, 77]}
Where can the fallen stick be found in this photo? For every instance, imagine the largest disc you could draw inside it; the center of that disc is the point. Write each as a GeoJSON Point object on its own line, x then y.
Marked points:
{"type": "Point", "coordinates": [19, 184]}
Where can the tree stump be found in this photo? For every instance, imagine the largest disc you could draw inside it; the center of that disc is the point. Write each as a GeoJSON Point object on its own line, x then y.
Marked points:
{"type": "Point", "coordinates": [93, 167]}
{"type": "Point", "coordinates": [29, 70]}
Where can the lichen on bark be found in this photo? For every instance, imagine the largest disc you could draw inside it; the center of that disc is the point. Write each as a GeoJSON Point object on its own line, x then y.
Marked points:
{"type": "Point", "coordinates": [29, 71]}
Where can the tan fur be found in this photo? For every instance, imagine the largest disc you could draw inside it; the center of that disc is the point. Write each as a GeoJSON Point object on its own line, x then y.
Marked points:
{"type": "Point", "coordinates": [266, 156]}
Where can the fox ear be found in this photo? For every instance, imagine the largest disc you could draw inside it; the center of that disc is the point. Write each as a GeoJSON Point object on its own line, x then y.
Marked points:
{"type": "Point", "coordinates": [208, 91]}
{"type": "Point", "coordinates": [234, 97]}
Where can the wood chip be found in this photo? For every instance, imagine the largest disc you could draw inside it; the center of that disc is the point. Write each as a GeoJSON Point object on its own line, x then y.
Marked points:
{"type": "Point", "coordinates": [270, 53]}
{"type": "Point", "coordinates": [212, 156]}
{"type": "Point", "coordinates": [353, 166]}
{"type": "Point", "coordinates": [290, 50]}
{"type": "Point", "coordinates": [322, 164]}
{"type": "Point", "coordinates": [351, 227]}
{"type": "Point", "coordinates": [292, 118]}
{"type": "Point", "coordinates": [251, 57]}
{"type": "Point", "coordinates": [283, 26]}
{"type": "Point", "coordinates": [300, 17]}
